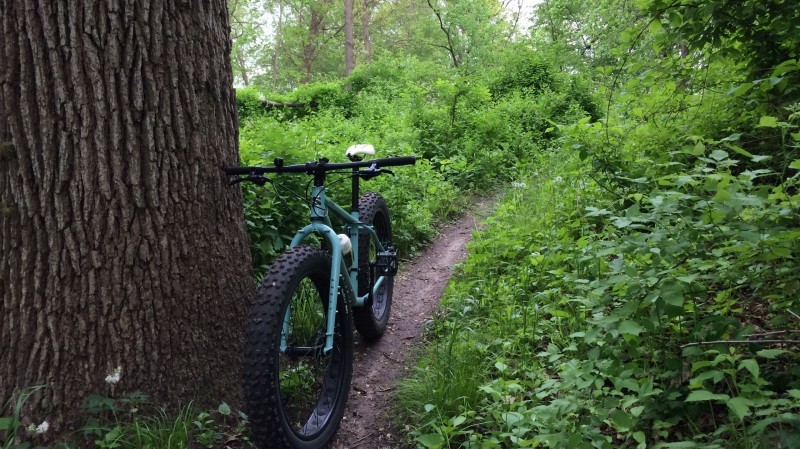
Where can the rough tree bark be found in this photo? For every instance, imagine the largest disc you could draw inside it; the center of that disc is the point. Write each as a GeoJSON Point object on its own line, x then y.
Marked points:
{"type": "Point", "coordinates": [120, 243]}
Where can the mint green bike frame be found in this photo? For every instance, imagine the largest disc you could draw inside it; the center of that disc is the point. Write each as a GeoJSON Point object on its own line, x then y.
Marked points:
{"type": "Point", "coordinates": [321, 224]}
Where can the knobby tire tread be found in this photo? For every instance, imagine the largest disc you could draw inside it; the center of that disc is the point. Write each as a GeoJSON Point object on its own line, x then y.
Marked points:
{"type": "Point", "coordinates": [371, 328]}
{"type": "Point", "coordinates": [262, 351]}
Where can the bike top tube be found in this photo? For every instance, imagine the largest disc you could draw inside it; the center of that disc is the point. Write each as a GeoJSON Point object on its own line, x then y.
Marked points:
{"type": "Point", "coordinates": [320, 167]}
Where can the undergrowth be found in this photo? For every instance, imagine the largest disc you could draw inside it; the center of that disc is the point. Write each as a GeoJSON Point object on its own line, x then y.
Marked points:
{"type": "Point", "coordinates": [650, 305]}
{"type": "Point", "coordinates": [469, 133]}
{"type": "Point", "coordinates": [130, 421]}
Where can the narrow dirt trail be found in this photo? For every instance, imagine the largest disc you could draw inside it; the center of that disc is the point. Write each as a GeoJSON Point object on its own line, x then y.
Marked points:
{"type": "Point", "coordinates": [377, 367]}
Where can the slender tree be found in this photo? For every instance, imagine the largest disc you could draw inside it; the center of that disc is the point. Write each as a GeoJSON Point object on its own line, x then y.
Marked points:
{"type": "Point", "coordinates": [122, 246]}
{"type": "Point", "coordinates": [349, 49]}
{"type": "Point", "coordinates": [366, 16]}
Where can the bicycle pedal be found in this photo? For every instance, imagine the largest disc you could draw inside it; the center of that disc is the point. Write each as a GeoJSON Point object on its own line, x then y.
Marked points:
{"type": "Point", "coordinates": [386, 262]}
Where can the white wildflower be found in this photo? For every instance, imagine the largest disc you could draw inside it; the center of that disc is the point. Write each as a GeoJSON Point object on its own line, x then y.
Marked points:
{"type": "Point", "coordinates": [42, 428]}
{"type": "Point", "coordinates": [114, 376]}
{"type": "Point", "coordinates": [558, 179]}
{"type": "Point", "coordinates": [519, 185]}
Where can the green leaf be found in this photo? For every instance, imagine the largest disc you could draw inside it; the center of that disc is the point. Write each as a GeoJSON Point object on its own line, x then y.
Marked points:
{"type": "Point", "coordinates": [224, 409]}
{"type": "Point", "coordinates": [431, 440]}
{"type": "Point", "coordinates": [768, 122]}
{"type": "Point", "coordinates": [733, 138]}
{"type": "Point", "coordinates": [429, 407]}
{"type": "Point", "coordinates": [512, 418]}
{"type": "Point", "coordinates": [689, 278]}
{"type": "Point", "coordinates": [458, 420]}
{"type": "Point", "coordinates": [739, 406]}
{"type": "Point", "coordinates": [786, 66]}
{"type": "Point", "coordinates": [655, 26]}
{"type": "Point", "coordinates": [795, 164]}
{"type": "Point", "coordinates": [771, 353]}
{"type": "Point", "coordinates": [750, 365]}
{"type": "Point", "coordinates": [630, 327]}
{"type": "Point", "coordinates": [718, 155]}
{"type": "Point", "coordinates": [759, 158]}
{"type": "Point", "coordinates": [622, 222]}
{"type": "Point", "coordinates": [6, 423]}
{"type": "Point", "coordinates": [740, 150]}
{"type": "Point", "coordinates": [622, 420]}
{"type": "Point", "coordinates": [740, 90]}
{"type": "Point", "coordinates": [703, 395]}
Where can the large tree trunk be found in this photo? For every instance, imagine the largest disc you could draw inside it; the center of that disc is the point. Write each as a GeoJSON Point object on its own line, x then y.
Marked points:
{"type": "Point", "coordinates": [122, 245]}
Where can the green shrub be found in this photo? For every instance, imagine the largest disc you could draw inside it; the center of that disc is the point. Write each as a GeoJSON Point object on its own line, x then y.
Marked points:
{"type": "Point", "coordinates": [248, 101]}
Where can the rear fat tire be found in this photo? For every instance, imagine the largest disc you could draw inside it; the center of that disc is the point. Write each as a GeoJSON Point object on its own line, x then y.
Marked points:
{"type": "Point", "coordinates": [277, 419]}
{"type": "Point", "coordinates": [372, 318]}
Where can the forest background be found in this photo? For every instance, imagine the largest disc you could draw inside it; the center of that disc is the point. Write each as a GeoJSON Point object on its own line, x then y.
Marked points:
{"type": "Point", "coordinates": [638, 284]}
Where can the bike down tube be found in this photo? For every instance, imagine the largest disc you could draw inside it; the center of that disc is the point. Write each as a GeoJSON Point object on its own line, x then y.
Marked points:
{"type": "Point", "coordinates": [352, 219]}
{"type": "Point", "coordinates": [321, 224]}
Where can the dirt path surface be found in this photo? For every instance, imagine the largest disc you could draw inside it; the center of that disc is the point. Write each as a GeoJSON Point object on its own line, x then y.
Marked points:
{"type": "Point", "coordinates": [377, 367]}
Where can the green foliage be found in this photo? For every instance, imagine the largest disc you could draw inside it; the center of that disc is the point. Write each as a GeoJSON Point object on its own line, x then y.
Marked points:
{"type": "Point", "coordinates": [13, 433]}
{"type": "Point", "coordinates": [131, 422]}
{"type": "Point", "coordinates": [638, 287]}
{"type": "Point", "coordinates": [764, 33]}
{"type": "Point", "coordinates": [248, 101]}
{"type": "Point", "coordinates": [524, 72]}
{"type": "Point", "coordinates": [468, 140]}
{"type": "Point", "coordinates": [586, 305]}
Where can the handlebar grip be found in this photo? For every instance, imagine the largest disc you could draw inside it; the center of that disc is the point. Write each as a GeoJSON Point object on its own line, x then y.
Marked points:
{"type": "Point", "coordinates": [395, 161]}
{"type": "Point", "coordinates": [232, 171]}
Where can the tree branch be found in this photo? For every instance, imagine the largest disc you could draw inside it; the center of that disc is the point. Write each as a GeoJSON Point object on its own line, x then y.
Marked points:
{"type": "Point", "coordinates": [449, 46]}
{"type": "Point", "coordinates": [741, 342]}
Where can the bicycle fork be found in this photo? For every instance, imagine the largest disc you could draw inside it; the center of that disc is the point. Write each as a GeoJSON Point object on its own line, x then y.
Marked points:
{"type": "Point", "coordinates": [321, 224]}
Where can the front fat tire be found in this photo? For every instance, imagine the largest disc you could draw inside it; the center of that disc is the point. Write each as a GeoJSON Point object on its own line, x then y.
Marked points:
{"type": "Point", "coordinates": [372, 318]}
{"type": "Point", "coordinates": [275, 409]}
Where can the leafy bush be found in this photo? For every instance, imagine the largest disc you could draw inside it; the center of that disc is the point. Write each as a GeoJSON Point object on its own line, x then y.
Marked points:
{"type": "Point", "coordinates": [248, 101]}
{"type": "Point", "coordinates": [468, 140]}
{"type": "Point", "coordinates": [637, 288]}
{"type": "Point", "coordinates": [599, 315]}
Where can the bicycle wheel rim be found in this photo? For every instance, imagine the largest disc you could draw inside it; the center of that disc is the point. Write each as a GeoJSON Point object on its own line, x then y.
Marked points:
{"type": "Point", "coordinates": [310, 385]}
{"type": "Point", "coordinates": [381, 298]}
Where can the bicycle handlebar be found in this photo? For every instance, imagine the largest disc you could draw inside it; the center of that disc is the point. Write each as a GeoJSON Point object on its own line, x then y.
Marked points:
{"type": "Point", "coordinates": [321, 165]}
